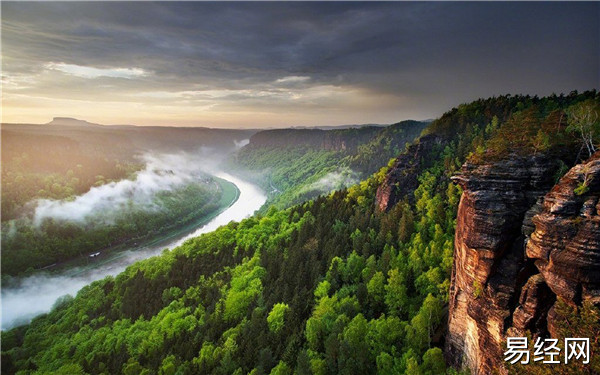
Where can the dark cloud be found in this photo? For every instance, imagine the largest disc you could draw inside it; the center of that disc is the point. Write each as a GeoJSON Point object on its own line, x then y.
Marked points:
{"type": "Point", "coordinates": [428, 56]}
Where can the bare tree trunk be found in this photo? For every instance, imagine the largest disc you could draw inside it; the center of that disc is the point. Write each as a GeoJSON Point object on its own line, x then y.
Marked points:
{"type": "Point", "coordinates": [588, 148]}
{"type": "Point", "coordinates": [577, 158]}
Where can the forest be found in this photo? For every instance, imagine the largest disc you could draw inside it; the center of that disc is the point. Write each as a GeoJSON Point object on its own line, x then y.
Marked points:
{"type": "Point", "coordinates": [53, 166]}
{"type": "Point", "coordinates": [28, 245]}
{"type": "Point", "coordinates": [296, 165]}
{"type": "Point", "coordinates": [333, 285]}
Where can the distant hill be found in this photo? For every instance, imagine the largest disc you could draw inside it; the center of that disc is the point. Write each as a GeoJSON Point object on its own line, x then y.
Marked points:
{"type": "Point", "coordinates": [69, 121]}
{"type": "Point", "coordinates": [130, 139]}
{"type": "Point", "coordinates": [333, 127]}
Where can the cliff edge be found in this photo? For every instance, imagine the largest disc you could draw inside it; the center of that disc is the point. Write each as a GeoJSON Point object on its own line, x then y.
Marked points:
{"type": "Point", "coordinates": [518, 247]}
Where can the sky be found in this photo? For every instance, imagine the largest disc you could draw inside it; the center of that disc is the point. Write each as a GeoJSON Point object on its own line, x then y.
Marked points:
{"type": "Point", "coordinates": [271, 64]}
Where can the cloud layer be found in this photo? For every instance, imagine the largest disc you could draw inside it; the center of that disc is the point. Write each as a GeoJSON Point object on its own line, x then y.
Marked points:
{"type": "Point", "coordinates": [275, 64]}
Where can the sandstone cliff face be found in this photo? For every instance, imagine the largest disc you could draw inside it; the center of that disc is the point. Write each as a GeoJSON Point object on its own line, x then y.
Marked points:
{"type": "Point", "coordinates": [489, 264]}
{"type": "Point", "coordinates": [517, 249]}
{"type": "Point", "coordinates": [566, 243]}
{"type": "Point", "coordinates": [402, 176]}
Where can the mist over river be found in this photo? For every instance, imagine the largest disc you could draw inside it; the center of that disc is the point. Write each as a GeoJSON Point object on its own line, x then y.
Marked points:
{"type": "Point", "coordinates": [36, 294]}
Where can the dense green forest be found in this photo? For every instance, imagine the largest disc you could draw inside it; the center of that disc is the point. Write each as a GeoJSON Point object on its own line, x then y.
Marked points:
{"type": "Point", "coordinates": [328, 286]}
{"type": "Point", "coordinates": [295, 165]}
{"type": "Point", "coordinates": [61, 163]}
{"type": "Point", "coordinates": [27, 245]}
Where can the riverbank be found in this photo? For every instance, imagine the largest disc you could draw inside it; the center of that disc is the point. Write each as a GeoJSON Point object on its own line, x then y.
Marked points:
{"type": "Point", "coordinates": [31, 296]}
{"type": "Point", "coordinates": [230, 194]}
{"type": "Point", "coordinates": [91, 258]}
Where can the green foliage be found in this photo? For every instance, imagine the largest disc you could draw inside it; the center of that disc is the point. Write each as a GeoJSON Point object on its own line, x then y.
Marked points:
{"type": "Point", "coordinates": [329, 286]}
{"type": "Point", "coordinates": [276, 317]}
{"type": "Point", "coordinates": [581, 188]}
{"type": "Point", "coordinates": [294, 174]}
{"type": "Point", "coordinates": [27, 244]}
{"type": "Point", "coordinates": [541, 142]}
{"type": "Point", "coordinates": [584, 123]}
{"type": "Point", "coordinates": [246, 285]}
{"type": "Point", "coordinates": [433, 362]}
{"type": "Point", "coordinates": [281, 369]}
{"type": "Point", "coordinates": [542, 126]}
{"type": "Point", "coordinates": [412, 367]}
{"type": "Point", "coordinates": [308, 163]}
{"type": "Point", "coordinates": [396, 294]}
{"type": "Point", "coordinates": [376, 287]}
{"type": "Point", "coordinates": [477, 289]}
{"type": "Point", "coordinates": [169, 366]}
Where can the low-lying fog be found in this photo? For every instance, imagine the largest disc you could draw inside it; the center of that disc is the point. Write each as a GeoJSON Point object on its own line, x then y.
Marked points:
{"type": "Point", "coordinates": [37, 294]}
{"type": "Point", "coordinates": [341, 178]}
{"type": "Point", "coordinates": [162, 172]}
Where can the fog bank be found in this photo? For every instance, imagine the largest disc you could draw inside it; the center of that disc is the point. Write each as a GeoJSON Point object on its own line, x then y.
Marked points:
{"type": "Point", "coordinates": [163, 172]}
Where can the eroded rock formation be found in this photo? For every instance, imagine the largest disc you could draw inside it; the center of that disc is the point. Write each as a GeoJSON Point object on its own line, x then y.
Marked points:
{"type": "Point", "coordinates": [566, 241]}
{"type": "Point", "coordinates": [489, 266]}
{"type": "Point", "coordinates": [516, 250]}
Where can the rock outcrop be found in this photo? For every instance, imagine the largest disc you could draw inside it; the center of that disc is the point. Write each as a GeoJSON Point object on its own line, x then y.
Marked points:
{"type": "Point", "coordinates": [566, 241]}
{"type": "Point", "coordinates": [535, 301]}
{"type": "Point", "coordinates": [490, 269]}
{"type": "Point", "coordinates": [401, 179]}
{"type": "Point", "coordinates": [517, 250]}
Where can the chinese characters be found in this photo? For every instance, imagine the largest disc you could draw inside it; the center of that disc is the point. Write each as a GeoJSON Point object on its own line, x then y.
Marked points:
{"type": "Point", "coordinates": [547, 350]}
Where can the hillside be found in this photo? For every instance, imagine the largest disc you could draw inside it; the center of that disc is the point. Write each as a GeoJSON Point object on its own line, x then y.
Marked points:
{"type": "Point", "coordinates": [361, 281]}
{"type": "Point", "coordinates": [295, 165]}
{"type": "Point", "coordinates": [53, 174]}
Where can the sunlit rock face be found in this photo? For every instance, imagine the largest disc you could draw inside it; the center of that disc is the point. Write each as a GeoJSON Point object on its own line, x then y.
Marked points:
{"type": "Point", "coordinates": [566, 242]}
{"type": "Point", "coordinates": [489, 264]}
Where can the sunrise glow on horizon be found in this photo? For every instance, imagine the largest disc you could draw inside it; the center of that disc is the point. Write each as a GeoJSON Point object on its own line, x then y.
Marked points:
{"type": "Point", "coordinates": [258, 65]}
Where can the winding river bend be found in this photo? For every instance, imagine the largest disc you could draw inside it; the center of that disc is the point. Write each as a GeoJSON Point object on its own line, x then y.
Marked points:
{"type": "Point", "coordinates": [37, 294]}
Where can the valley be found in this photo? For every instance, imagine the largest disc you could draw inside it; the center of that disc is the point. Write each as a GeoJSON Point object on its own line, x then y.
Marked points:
{"type": "Point", "coordinates": [300, 188]}
{"type": "Point", "coordinates": [29, 296]}
{"type": "Point", "coordinates": [396, 272]}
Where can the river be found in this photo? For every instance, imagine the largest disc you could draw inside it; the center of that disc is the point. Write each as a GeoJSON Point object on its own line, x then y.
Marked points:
{"type": "Point", "coordinates": [36, 294]}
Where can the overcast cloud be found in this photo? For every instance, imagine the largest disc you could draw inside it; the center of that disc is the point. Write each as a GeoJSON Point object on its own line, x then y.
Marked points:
{"type": "Point", "coordinates": [286, 64]}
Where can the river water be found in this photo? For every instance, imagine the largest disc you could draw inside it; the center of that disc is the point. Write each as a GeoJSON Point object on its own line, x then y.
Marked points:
{"type": "Point", "coordinates": [36, 294]}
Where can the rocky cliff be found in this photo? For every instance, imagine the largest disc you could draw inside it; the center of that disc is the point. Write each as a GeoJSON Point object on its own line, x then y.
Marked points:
{"type": "Point", "coordinates": [517, 247]}
{"type": "Point", "coordinates": [565, 245]}
{"type": "Point", "coordinates": [402, 176]}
